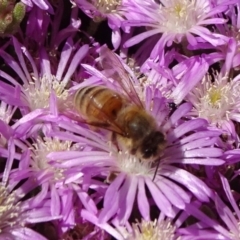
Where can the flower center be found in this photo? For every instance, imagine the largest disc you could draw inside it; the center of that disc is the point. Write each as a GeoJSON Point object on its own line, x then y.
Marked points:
{"type": "Point", "coordinates": [214, 96]}
{"type": "Point", "coordinates": [153, 230]}
{"type": "Point", "coordinates": [9, 210]}
{"type": "Point", "coordinates": [215, 101]}
{"type": "Point", "coordinates": [180, 16]}
{"type": "Point", "coordinates": [132, 165]}
{"type": "Point", "coordinates": [45, 146]}
{"type": "Point", "coordinates": [106, 6]}
{"type": "Point", "coordinates": [38, 92]}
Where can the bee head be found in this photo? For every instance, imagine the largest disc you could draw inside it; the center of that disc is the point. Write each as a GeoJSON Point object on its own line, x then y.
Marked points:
{"type": "Point", "coordinates": [152, 145]}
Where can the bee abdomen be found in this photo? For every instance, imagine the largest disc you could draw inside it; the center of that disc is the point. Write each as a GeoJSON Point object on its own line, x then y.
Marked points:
{"type": "Point", "coordinates": [97, 103]}
{"type": "Point", "coordinates": [83, 97]}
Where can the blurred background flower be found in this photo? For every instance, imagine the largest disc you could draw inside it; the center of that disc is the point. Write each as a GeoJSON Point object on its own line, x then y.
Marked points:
{"type": "Point", "coordinates": [64, 178]}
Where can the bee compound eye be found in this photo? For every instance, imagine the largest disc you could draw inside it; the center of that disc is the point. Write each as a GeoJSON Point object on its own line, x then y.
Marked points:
{"type": "Point", "coordinates": [151, 144]}
{"type": "Point", "coordinates": [148, 152]}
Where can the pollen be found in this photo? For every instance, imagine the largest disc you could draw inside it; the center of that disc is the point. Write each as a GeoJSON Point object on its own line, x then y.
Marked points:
{"type": "Point", "coordinates": [216, 100]}
{"type": "Point", "coordinates": [38, 92]}
{"type": "Point", "coordinates": [106, 6]}
{"type": "Point", "coordinates": [6, 112]}
{"type": "Point", "coordinates": [153, 230]}
{"type": "Point", "coordinates": [132, 165]}
{"type": "Point", "coordinates": [215, 95]}
{"type": "Point", "coordinates": [180, 16]}
{"type": "Point", "coordinates": [45, 146]}
{"type": "Point", "coordinates": [9, 210]}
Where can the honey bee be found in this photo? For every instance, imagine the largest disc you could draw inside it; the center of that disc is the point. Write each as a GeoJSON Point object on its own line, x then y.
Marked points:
{"type": "Point", "coordinates": [122, 113]}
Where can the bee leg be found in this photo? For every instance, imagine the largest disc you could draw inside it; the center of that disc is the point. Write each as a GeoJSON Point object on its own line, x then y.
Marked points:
{"type": "Point", "coordinates": [114, 140]}
{"type": "Point", "coordinates": [111, 177]}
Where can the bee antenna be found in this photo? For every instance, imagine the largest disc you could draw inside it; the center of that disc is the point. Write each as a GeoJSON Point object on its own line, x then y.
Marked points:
{"type": "Point", "coordinates": [155, 173]}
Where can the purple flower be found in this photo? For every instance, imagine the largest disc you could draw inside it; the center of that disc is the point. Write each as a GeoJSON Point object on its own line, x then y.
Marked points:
{"type": "Point", "coordinates": [188, 142]}
{"type": "Point", "coordinates": [175, 20]}
{"type": "Point", "coordinates": [43, 4]}
{"type": "Point", "coordinates": [58, 180]}
{"type": "Point", "coordinates": [159, 229]}
{"type": "Point", "coordinates": [176, 228]}
{"type": "Point", "coordinates": [41, 79]}
{"type": "Point", "coordinates": [40, 23]}
{"type": "Point", "coordinates": [204, 227]}
{"type": "Point", "coordinates": [227, 227]}
{"type": "Point", "coordinates": [231, 31]}
{"type": "Point", "coordinates": [16, 213]}
{"type": "Point", "coordinates": [85, 230]}
{"type": "Point", "coordinates": [100, 10]}
{"type": "Point", "coordinates": [216, 98]}
{"type": "Point", "coordinates": [8, 140]}
{"type": "Point", "coordinates": [175, 83]}
{"type": "Point", "coordinates": [134, 174]}
{"type": "Point", "coordinates": [229, 218]}
{"type": "Point", "coordinates": [6, 112]}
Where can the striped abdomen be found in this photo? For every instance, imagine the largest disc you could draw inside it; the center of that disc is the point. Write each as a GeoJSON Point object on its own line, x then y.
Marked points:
{"type": "Point", "coordinates": [98, 104]}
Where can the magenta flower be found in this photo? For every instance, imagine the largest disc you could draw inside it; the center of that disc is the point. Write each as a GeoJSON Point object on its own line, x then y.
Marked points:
{"type": "Point", "coordinates": [179, 227]}
{"type": "Point", "coordinates": [188, 142]}
{"type": "Point", "coordinates": [37, 27]}
{"type": "Point", "coordinates": [100, 10]}
{"type": "Point", "coordinates": [230, 54]}
{"type": "Point", "coordinates": [40, 23]}
{"type": "Point", "coordinates": [84, 229]}
{"type": "Point", "coordinates": [17, 213]}
{"type": "Point", "coordinates": [175, 83]}
{"type": "Point", "coordinates": [216, 101]}
{"type": "Point", "coordinates": [233, 31]}
{"type": "Point", "coordinates": [41, 80]}
{"type": "Point", "coordinates": [178, 61]}
{"type": "Point", "coordinates": [204, 228]}
{"type": "Point", "coordinates": [58, 179]}
{"type": "Point", "coordinates": [7, 138]}
{"type": "Point", "coordinates": [44, 5]}
{"type": "Point", "coordinates": [229, 218]}
{"type": "Point", "coordinates": [38, 83]}
{"type": "Point", "coordinates": [6, 112]}
{"type": "Point", "coordinates": [216, 97]}
{"type": "Point", "coordinates": [175, 20]}
{"type": "Point", "coordinates": [228, 225]}
{"type": "Point", "coordinates": [159, 229]}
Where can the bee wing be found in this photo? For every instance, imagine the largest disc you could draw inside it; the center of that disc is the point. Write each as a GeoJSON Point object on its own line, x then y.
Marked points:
{"type": "Point", "coordinates": [108, 126]}
{"type": "Point", "coordinates": [112, 63]}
